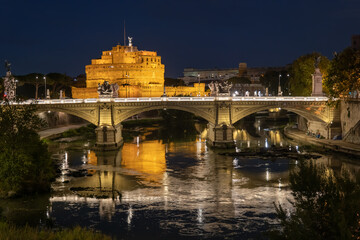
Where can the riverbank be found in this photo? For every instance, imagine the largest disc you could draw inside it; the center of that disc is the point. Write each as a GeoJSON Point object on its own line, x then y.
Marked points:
{"type": "Point", "coordinates": [9, 231]}
{"type": "Point", "coordinates": [56, 132]}
{"type": "Point", "coordinates": [335, 145]}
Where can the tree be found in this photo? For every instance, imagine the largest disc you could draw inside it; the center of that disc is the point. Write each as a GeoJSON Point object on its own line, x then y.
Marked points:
{"type": "Point", "coordinates": [327, 205]}
{"type": "Point", "coordinates": [300, 73]}
{"type": "Point", "coordinates": [172, 82]}
{"type": "Point", "coordinates": [35, 79]}
{"type": "Point", "coordinates": [25, 164]}
{"type": "Point", "coordinates": [239, 80]}
{"type": "Point", "coordinates": [344, 73]}
{"type": "Point", "coordinates": [58, 81]}
{"type": "Point", "coordinates": [80, 81]}
{"type": "Point", "coordinates": [270, 80]}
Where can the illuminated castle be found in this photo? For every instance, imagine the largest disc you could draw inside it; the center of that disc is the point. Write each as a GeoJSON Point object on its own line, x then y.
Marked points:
{"type": "Point", "coordinates": [138, 74]}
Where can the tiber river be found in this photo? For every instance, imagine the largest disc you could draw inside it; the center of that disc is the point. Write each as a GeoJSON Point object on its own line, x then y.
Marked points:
{"type": "Point", "coordinates": [167, 184]}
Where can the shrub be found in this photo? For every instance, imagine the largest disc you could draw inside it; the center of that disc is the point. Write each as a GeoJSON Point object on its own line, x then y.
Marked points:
{"type": "Point", "coordinates": [25, 164]}
{"type": "Point", "coordinates": [11, 232]}
{"type": "Point", "coordinates": [327, 206]}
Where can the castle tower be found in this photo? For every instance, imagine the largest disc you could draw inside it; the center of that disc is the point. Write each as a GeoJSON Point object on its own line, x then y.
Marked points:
{"type": "Point", "coordinates": [126, 65]}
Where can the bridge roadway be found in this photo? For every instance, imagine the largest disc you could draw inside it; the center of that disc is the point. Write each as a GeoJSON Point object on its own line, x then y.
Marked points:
{"type": "Point", "coordinates": [221, 112]}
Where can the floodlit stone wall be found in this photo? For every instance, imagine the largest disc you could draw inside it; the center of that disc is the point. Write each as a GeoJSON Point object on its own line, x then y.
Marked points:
{"type": "Point", "coordinates": [350, 120]}
{"type": "Point", "coordinates": [138, 74]}
{"type": "Point", "coordinates": [126, 65]}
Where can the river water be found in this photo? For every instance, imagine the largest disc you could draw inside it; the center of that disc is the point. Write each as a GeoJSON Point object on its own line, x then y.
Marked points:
{"type": "Point", "coordinates": [167, 184]}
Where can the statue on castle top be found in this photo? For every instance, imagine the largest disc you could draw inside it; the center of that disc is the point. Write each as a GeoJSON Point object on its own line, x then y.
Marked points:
{"type": "Point", "coordinates": [130, 41]}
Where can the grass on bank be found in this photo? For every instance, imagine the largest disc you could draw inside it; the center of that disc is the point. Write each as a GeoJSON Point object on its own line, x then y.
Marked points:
{"type": "Point", "coordinates": [87, 131]}
{"type": "Point", "coordinates": [11, 232]}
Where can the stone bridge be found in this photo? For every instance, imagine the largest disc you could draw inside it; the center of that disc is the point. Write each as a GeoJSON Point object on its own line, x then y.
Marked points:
{"type": "Point", "coordinates": [220, 112]}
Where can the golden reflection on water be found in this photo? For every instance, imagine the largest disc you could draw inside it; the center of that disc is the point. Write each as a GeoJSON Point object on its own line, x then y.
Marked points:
{"type": "Point", "coordinates": [241, 135]}
{"type": "Point", "coordinates": [147, 158]}
{"type": "Point", "coordinates": [273, 137]}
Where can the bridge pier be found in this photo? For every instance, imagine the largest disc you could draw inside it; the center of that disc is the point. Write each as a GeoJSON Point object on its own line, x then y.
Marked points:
{"type": "Point", "coordinates": [108, 137]}
{"type": "Point", "coordinates": [220, 136]}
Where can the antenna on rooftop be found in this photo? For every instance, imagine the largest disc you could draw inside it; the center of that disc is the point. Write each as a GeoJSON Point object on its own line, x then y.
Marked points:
{"type": "Point", "coordinates": [124, 34]}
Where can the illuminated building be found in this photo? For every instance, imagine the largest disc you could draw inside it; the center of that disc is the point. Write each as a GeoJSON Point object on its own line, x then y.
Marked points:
{"type": "Point", "coordinates": [193, 75]}
{"type": "Point", "coordinates": [137, 73]}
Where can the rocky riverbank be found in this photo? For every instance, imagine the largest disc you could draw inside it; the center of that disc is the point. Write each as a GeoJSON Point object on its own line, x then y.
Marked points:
{"type": "Point", "coordinates": [334, 145]}
{"type": "Point", "coordinates": [272, 153]}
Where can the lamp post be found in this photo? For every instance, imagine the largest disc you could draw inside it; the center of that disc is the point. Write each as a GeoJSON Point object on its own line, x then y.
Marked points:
{"type": "Point", "coordinates": [45, 86]}
{"type": "Point", "coordinates": [279, 87]}
{"type": "Point", "coordinates": [288, 75]}
{"type": "Point", "coordinates": [199, 84]}
{"type": "Point", "coordinates": [36, 87]}
{"type": "Point", "coordinates": [16, 81]}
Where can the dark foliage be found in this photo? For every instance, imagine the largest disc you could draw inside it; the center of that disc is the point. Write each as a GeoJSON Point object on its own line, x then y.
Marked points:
{"type": "Point", "coordinates": [25, 164]}
{"type": "Point", "coordinates": [344, 73]}
{"type": "Point", "coordinates": [327, 205]}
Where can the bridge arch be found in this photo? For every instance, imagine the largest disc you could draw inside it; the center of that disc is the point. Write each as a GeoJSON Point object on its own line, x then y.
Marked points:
{"type": "Point", "coordinates": [306, 112]}
{"type": "Point", "coordinates": [122, 115]}
{"type": "Point", "coordinates": [72, 111]}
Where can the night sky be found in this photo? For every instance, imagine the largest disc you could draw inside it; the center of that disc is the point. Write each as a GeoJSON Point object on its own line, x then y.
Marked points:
{"type": "Point", "coordinates": [63, 36]}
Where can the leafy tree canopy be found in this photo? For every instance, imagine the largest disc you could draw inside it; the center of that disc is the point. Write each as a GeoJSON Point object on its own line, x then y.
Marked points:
{"type": "Point", "coordinates": [239, 80]}
{"type": "Point", "coordinates": [80, 81]}
{"type": "Point", "coordinates": [54, 81]}
{"type": "Point", "coordinates": [301, 70]}
{"type": "Point", "coordinates": [327, 205]}
{"type": "Point", "coordinates": [30, 79]}
{"type": "Point", "coordinates": [25, 165]}
{"type": "Point", "coordinates": [344, 73]}
{"type": "Point", "coordinates": [270, 79]}
{"type": "Point", "coordinates": [173, 82]}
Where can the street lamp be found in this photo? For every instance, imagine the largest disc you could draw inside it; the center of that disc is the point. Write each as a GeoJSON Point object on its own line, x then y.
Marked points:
{"type": "Point", "coordinates": [279, 87]}
{"type": "Point", "coordinates": [45, 86]}
{"type": "Point", "coordinates": [199, 83]}
{"type": "Point", "coordinates": [36, 87]}
{"type": "Point", "coordinates": [16, 81]}
{"type": "Point", "coordinates": [288, 75]}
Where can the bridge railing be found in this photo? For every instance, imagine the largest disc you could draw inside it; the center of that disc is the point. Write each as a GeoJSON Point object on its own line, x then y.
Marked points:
{"type": "Point", "coordinates": [171, 99]}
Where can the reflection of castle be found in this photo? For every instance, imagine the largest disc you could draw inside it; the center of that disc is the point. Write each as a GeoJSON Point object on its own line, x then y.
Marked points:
{"type": "Point", "coordinates": [138, 74]}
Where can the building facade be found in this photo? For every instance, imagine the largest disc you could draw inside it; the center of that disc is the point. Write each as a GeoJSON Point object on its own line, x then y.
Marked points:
{"type": "Point", "coordinates": [137, 73]}
{"type": "Point", "coordinates": [192, 75]}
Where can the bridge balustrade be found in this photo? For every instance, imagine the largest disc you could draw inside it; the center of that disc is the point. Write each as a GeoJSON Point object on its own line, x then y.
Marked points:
{"type": "Point", "coordinates": [220, 111]}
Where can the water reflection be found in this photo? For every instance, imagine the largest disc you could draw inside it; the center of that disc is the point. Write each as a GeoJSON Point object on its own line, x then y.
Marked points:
{"type": "Point", "coordinates": [164, 189]}
{"type": "Point", "coordinates": [267, 138]}
{"type": "Point", "coordinates": [147, 158]}
{"type": "Point", "coordinates": [173, 184]}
